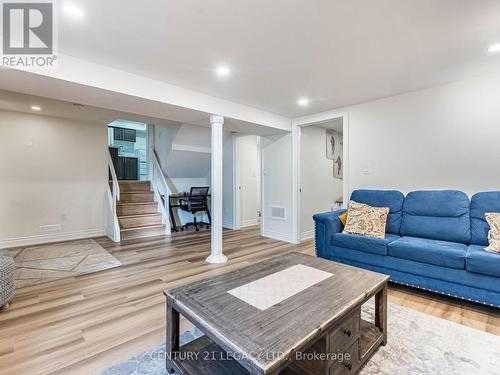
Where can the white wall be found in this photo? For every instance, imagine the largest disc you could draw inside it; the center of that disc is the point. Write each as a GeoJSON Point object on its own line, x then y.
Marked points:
{"type": "Point", "coordinates": [277, 184]}
{"type": "Point", "coordinates": [320, 189]}
{"type": "Point", "coordinates": [440, 138]}
{"type": "Point", "coordinates": [444, 137]}
{"type": "Point", "coordinates": [250, 171]}
{"type": "Point", "coordinates": [183, 151]}
{"type": "Point", "coordinates": [52, 171]}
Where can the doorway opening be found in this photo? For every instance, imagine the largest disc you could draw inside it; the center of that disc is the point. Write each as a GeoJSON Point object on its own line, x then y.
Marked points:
{"type": "Point", "coordinates": [322, 165]}
{"type": "Point", "coordinates": [128, 147]}
{"type": "Point", "coordinates": [247, 181]}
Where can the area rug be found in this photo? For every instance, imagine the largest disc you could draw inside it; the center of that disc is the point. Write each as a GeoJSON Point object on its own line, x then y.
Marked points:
{"type": "Point", "coordinates": [43, 263]}
{"type": "Point", "coordinates": [418, 344]}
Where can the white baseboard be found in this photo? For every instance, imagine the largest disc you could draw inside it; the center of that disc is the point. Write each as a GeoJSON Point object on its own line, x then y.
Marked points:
{"type": "Point", "coordinates": [249, 223]}
{"type": "Point", "coordinates": [307, 235]}
{"type": "Point", "coordinates": [228, 225]}
{"type": "Point", "coordinates": [243, 224]}
{"type": "Point", "coordinates": [286, 237]}
{"type": "Point", "coordinates": [51, 237]}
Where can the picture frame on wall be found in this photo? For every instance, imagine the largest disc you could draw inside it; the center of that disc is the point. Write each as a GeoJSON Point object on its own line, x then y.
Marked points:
{"type": "Point", "coordinates": [331, 144]}
{"type": "Point", "coordinates": [335, 152]}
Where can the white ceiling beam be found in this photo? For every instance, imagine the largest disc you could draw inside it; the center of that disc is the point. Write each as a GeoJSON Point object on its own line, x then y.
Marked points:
{"type": "Point", "coordinates": [79, 79]}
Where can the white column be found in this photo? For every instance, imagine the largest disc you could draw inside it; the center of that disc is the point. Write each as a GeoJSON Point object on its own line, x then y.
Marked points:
{"type": "Point", "coordinates": [216, 255]}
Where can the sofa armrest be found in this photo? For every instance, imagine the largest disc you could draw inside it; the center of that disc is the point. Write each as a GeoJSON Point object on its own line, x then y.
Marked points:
{"type": "Point", "coordinates": [326, 224]}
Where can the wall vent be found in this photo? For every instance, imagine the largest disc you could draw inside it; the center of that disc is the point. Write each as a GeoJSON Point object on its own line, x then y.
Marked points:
{"type": "Point", "coordinates": [278, 213]}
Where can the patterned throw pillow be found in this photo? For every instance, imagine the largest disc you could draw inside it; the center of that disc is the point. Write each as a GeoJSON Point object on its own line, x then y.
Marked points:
{"type": "Point", "coordinates": [366, 220]}
{"type": "Point", "coordinates": [493, 220]}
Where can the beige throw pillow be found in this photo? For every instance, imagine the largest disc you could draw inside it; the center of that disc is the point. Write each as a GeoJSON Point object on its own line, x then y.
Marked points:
{"type": "Point", "coordinates": [366, 220]}
{"type": "Point", "coordinates": [493, 220]}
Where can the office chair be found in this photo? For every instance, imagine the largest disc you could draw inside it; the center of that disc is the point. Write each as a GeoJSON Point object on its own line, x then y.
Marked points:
{"type": "Point", "coordinates": [197, 201]}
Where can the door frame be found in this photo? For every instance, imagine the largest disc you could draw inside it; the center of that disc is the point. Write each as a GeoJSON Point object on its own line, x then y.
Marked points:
{"type": "Point", "coordinates": [237, 182]}
{"type": "Point", "coordinates": [297, 125]}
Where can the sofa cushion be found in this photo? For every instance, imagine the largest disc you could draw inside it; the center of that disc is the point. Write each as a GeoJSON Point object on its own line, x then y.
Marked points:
{"type": "Point", "coordinates": [383, 198]}
{"type": "Point", "coordinates": [480, 204]}
{"type": "Point", "coordinates": [480, 261]}
{"type": "Point", "coordinates": [363, 243]}
{"type": "Point", "coordinates": [439, 253]}
{"type": "Point", "coordinates": [438, 215]}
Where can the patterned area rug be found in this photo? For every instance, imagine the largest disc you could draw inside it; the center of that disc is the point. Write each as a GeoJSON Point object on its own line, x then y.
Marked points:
{"type": "Point", "coordinates": [418, 344]}
{"type": "Point", "coordinates": [43, 263]}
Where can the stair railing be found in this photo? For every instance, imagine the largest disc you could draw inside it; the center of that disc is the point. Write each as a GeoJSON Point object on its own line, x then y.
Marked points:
{"type": "Point", "coordinates": [161, 191]}
{"type": "Point", "coordinates": [113, 195]}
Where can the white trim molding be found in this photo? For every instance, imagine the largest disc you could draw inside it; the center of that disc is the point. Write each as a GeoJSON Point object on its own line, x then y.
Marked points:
{"type": "Point", "coordinates": [249, 223]}
{"type": "Point", "coordinates": [236, 183]}
{"type": "Point", "coordinates": [227, 224]}
{"type": "Point", "coordinates": [286, 237]}
{"type": "Point", "coordinates": [307, 235]}
{"type": "Point", "coordinates": [297, 125]}
{"type": "Point", "coordinates": [295, 183]}
{"type": "Point", "coordinates": [51, 237]}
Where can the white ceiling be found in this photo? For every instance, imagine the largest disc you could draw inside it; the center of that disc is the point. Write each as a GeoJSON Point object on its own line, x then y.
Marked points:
{"type": "Point", "coordinates": [334, 52]}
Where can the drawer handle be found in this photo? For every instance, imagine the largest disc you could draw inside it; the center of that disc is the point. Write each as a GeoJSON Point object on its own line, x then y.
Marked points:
{"type": "Point", "coordinates": [348, 332]}
{"type": "Point", "coordinates": [348, 365]}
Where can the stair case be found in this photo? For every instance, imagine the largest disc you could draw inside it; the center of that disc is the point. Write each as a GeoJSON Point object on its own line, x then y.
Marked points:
{"type": "Point", "coordinates": [137, 211]}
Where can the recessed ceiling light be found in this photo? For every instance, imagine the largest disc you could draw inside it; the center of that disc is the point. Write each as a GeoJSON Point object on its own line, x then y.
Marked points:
{"type": "Point", "coordinates": [303, 102]}
{"type": "Point", "coordinates": [223, 70]}
{"type": "Point", "coordinates": [36, 108]}
{"type": "Point", "coordinates": [494, 48]}
{"type": "Point", "coordinates": [73, 10]}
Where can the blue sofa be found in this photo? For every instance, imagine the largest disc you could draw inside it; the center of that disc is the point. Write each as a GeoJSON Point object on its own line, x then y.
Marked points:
{"type": "Point", "coordinates": [434, 241]}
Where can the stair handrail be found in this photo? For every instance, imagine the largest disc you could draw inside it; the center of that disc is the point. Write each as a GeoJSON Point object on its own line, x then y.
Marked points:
{"type": "Point", "coordinates": [113, 198]}
{"type": "Point", "coordinates": [116, 185]}
{"type": "Point", "coordinates": [161, 190]}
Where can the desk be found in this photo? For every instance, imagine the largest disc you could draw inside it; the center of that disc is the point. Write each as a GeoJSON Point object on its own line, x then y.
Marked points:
{"type": "Point", "coordinates": [176, 198]}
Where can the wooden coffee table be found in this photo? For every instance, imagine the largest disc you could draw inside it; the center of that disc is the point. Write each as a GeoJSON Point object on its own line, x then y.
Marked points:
{"type": "Point", "coordinates": [291, 314]}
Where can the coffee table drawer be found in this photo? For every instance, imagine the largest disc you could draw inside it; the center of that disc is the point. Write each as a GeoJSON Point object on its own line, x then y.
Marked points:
{"type": "Point", "coordinates": [350, 363]}
{"type": "Point", "coordinates": [345, 332]}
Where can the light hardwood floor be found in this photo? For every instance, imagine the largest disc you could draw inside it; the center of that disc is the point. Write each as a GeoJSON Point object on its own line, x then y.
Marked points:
{"type": "Point", "coordinates": [85, 324]}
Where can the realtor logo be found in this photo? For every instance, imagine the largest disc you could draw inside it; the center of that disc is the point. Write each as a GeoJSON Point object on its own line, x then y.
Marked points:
{"type": "Point", "coordinates": [28, 34]}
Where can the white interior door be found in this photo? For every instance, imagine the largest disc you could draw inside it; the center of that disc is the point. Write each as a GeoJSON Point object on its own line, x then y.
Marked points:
{"type": "Point", "coordinates": [247, 174]}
